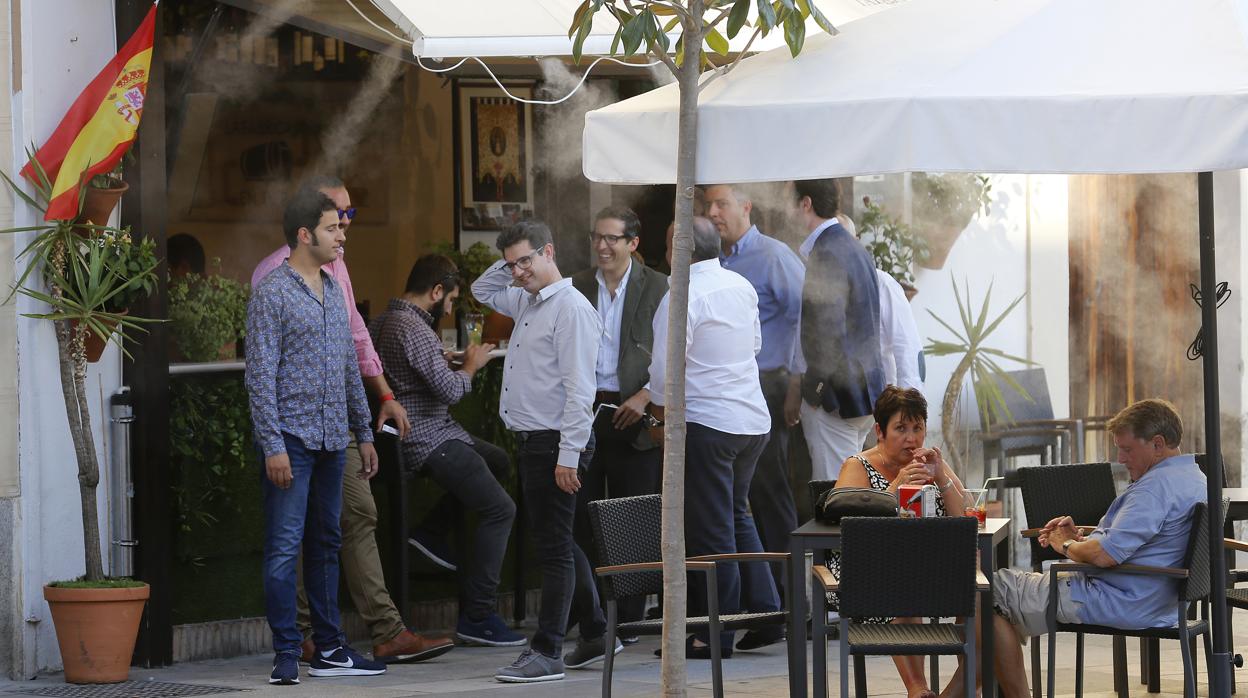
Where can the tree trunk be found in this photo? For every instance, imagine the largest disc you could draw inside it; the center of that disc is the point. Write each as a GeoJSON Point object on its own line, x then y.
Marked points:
{"type": "Point", "coordinates": [949, 415]}
{"type": "Point", "coordinates": [73, 365]}
{"type": "Point", "coordinates": [675, 588]}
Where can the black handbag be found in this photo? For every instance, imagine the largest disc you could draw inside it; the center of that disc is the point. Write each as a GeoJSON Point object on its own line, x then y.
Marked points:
{"type": "Point", "coordinates": [854, 501]}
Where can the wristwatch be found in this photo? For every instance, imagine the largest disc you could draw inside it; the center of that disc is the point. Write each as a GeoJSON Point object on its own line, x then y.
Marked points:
{"type": "Point", "coordinates": [1066, 548]}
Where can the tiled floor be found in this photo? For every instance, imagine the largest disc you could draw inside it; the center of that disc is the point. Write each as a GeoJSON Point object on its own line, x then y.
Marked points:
{"type": "Point", "coordinates": [468, 672]}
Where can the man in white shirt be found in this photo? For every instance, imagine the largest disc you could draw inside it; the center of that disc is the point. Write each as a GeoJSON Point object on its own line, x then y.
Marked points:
{"type": "Point", "coordinates": [727, 428]}
{"type": "Point", "coordinates": [548, 387]}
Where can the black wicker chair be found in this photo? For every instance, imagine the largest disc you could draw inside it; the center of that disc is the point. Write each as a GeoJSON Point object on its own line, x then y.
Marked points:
{"type": "Point", "coordinates": [874, 582]}
{"type": "Point", "coordinates": [1193, 589]}
{"type": "Point", "coordinates": [627, 534]}
{"type": "Point", "coordinates": [1083, 492]}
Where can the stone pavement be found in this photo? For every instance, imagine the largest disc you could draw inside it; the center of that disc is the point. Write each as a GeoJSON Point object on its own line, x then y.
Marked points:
{"type": "Point", "coordinates": [467, 672]}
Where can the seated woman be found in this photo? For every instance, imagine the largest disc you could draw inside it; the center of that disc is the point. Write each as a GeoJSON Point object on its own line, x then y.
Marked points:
{"type": "Point", "coordinates": [899, 458]}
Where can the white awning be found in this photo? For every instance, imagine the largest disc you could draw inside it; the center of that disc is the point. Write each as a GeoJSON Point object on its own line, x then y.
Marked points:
{"type": "Point", "coordinates": [497, 28]}
{"type": "Point", "coordinates": [1065, 86]}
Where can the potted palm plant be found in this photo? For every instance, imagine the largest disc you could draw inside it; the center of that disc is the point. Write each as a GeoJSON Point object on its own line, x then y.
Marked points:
{"type": "Point", "coordinates": [979, 360]}
{"type": "Point", "coordinates": [84, 274]}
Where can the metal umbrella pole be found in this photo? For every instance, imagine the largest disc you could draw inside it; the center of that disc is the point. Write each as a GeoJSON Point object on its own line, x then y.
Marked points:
{"type": "Point", "coordinates": [1220, 669]}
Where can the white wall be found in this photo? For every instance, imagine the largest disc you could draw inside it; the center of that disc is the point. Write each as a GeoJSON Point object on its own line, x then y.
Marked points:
{"type": "Point", "coordinates": [64, 43]}
{"type": "Point", "coordinates": [994, 249]}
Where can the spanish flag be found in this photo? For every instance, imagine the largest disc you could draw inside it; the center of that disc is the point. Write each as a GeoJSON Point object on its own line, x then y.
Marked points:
{"type": "Point", "coordinates": [100, 125]}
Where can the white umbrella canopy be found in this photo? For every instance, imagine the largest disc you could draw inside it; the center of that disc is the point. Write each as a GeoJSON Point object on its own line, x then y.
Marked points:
{"type": "Point", "coordinates": [1037, 86]}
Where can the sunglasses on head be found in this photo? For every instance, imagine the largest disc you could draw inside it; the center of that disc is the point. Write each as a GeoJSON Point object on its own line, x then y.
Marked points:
{"type": "Point", "coordinates": [346, 214]}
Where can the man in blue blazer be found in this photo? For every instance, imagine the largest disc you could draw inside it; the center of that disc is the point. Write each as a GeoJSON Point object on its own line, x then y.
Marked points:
{"type": "Point", "coordinates": [839, 338]}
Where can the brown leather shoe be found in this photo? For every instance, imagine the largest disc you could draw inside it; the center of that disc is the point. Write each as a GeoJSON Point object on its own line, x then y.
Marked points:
{"type": "Point", "coordinates": [409, 647]}
{"type": "Point", "coordinates": [306, 651]}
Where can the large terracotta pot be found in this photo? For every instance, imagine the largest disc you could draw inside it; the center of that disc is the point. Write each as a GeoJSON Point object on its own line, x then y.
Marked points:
{"type": "Point", "coordinates": [96, 630]}
{"type": "Point", "coordinates": [98, 204]}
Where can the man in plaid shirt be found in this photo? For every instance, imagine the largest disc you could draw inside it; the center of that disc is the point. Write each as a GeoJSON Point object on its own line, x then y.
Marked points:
{"type": "Point", "coordinates": [466, 467]}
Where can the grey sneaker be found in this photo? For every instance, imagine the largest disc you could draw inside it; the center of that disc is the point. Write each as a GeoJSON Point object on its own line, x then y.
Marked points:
{"type": "Point", "coordinates": [589, 652]}
{"type": "Point", "coordinates": [531, 667]}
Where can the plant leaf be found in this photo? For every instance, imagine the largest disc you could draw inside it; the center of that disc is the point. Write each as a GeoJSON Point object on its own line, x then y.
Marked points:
{"type": "Point", "coordinates": [737, 16]}
{"type": "Point", "coordinates": [794, 32]}
{"type": "Point", "coordinates": [716, 41]}
{"type": "Point", "coordinates": [766, 15]}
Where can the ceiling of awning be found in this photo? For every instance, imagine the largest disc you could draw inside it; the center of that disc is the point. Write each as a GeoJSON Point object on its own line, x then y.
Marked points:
{"type": "Point", "coordinates": [483, 28]}
{"type": "Point", "coordinates": [339, 19]}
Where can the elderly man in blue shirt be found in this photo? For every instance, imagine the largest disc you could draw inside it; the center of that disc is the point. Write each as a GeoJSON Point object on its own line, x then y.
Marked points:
{"type": "Point", "coordinates": [776, 273]}
{"type": "Point", "coordinates": [1148, 524]}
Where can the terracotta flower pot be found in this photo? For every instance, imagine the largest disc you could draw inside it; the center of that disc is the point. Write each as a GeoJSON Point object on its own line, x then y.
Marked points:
{"type": "Point", "coordinates": [98, 204]}
{"type": "Point", "coordinates": [96, 630]}
{"type": "Point", "coordinates": [93, 345]}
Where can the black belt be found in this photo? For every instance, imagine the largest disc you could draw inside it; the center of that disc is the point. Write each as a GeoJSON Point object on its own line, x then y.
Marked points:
{"type": "Point", "coordinates": [609, 397]}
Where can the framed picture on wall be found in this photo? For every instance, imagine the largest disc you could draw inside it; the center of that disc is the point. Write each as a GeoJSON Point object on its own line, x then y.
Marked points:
{"type": "Point", "coordinates": [495, 156]}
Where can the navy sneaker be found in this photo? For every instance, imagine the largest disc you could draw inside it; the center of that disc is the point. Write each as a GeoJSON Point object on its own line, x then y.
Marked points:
{"type": "Point", "coordinates": [491, 632]}
{"type": "Point", "coordinates": [344, 661]}
{"type": "Point", "coordinates": [433, 547]}
{"type": "Point", "coordinates": [285, 669]}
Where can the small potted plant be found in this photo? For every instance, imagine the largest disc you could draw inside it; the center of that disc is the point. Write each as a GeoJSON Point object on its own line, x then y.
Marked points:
{"type": "Point", "coordinates": [944, 205]}
{"type": "Point", "coordinates": [84, 275]}
{"type": "Point", "coordinates": [472, 263]}
{"type": "Point", "coordinates": [893, 245]}
{"type": "Point", "coordinates": [208, 315]}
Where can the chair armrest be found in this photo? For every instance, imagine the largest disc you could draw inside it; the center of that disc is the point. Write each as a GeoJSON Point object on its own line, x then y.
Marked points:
{"type": "Point", "coordinates": [824, 577]}
{"type": "Point", "coordinates": [609, 570]}
{"type": "Point", "coordinates": [1232, 544]}
{"type": "Point", "coordinates": [1064, 424]}
{"type": "Point", "coordinates": [981, 581]}
{"type": "Point", "coordinates": [1025, 431]}
{"type": "Point", "coordinates": [737, 557]}
{"type": "Point", "coordinates": [1237, 576]}
{"type": "Point", "coordinates": [1034, 532]}
{"type": "Point", "coordinates": [1173, 572]}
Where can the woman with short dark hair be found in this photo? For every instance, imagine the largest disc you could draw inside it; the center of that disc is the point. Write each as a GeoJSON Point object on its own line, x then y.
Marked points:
{"type": "Point", "coordinates": [899, 458]}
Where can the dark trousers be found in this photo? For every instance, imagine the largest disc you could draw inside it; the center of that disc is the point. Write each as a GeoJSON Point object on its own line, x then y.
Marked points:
{"type": "Point", "coordinates": [771, 499]}
{"type": "Point", "coordinates": [718, 470]}
{"type": "Point", "coordinates": [305, 513]}
{"type": "Point", "coordinates": [470, 474]}
{"type": "Point", "coordinates": [567, 579]}
{"type": "Point", "coordinates": [617, 470]}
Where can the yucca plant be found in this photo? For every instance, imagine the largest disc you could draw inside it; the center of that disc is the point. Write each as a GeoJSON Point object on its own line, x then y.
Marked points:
{"type": "Point", "coordinates": [977, 359]}
{"type": "Point", "coordinates": [86, 272]}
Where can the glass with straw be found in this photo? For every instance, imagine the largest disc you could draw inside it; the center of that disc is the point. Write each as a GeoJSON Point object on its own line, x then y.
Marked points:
{"type": "Point", "coordinates": [975, 504]}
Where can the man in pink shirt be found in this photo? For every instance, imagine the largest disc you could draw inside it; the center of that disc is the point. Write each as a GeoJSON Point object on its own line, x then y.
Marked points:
{"type": "Point", "coordinates": [361, 565]}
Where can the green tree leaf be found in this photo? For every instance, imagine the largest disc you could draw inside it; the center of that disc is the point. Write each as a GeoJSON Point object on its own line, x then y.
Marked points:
{"type": "Point", "coordinates": [737, 17]}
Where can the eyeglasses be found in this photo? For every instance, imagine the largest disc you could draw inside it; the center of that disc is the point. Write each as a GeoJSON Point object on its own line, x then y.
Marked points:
{"type": "Point", "coordinates": [346, 214]}
{"type": "Point", "coordinates": [611, 240]}
{"type": "Point", "coordinates": [523, 262]}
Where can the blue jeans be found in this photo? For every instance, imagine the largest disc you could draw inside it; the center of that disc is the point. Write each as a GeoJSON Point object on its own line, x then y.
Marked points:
{"type": "Point", "coordinates": [305, 514]}
{"type": "Point", "coordinates": [718, 470]}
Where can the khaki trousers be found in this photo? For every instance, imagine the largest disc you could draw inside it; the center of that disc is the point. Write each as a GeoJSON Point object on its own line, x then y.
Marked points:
{"type": "Point", "coordinates": [361, 564]}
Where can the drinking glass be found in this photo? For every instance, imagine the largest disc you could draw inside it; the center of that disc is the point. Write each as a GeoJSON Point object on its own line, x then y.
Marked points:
{"type": "Point", "coordinates": [976, 504]}
{"type": "Point", "coordinates": [474, 324]}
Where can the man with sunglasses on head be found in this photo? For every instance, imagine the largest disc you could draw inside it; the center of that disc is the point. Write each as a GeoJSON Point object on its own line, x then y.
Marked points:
{"type": "Point", "coordinates": [361, 563]}
{"type": "Point", "coordinates": [466, 467]}
{"type": "Point", "coordinates": [548, 390]}
{"type": "Point", "coordinates": [627, 462]}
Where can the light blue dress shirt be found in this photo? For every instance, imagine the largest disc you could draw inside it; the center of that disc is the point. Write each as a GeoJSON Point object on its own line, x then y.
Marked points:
{"type": "Point", "coordinates": [776, 273]}
{"type": "Point", "coordinates": [1148, 524]}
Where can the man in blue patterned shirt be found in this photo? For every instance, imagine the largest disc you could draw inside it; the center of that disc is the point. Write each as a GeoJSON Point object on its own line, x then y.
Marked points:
{"type": "Point", "coordinates": [304, 385]}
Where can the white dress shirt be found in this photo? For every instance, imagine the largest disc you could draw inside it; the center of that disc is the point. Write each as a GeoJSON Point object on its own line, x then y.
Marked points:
{"type": "Point", "coordinates": [721, 374]}
{"type": "Point", "coordinates": [899, 335]}
{"type": "Point", "coordinates": [610, 312]}
{"type": "Point", "coordinates": [548, 374]}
